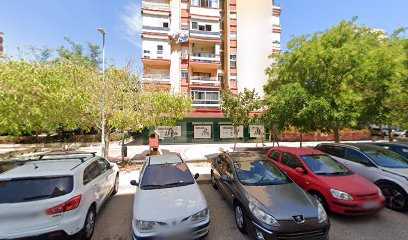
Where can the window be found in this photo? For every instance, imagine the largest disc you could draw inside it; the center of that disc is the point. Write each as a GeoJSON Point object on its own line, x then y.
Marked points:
{"type": "Point", "coordinates": [259, 172]}
{"type": "Point", "coordinates": [194, 25]}
{"type": "Point", "coordinates": [159, 49]}
{"type": "Point", "coordinates": [205, 97]}
{"type": "Point", "coordinates": [355, 156]}
{"type": "Point", "coordinates": [205, 3]}
{"type": "Point", "coordinates": [165, 24]}
{"type": "Point", "coordinates": [233, 36]}
{"type": "Point", "coordinates": [208, 28]}
{"type": "Point", "coordinates": [166, 176]}
{"type": "Point", "coordinates": [91, 172]}
{"type": "Point", "coordinates": [331, 150]}
{"type": "Point", "coordinates": [146, 51]}
{"type": "Point", "coordinates": [103, 165]}
{"type": "Point", "coordinates": [233, 60]}
{"type": "Point", "coordinates": [386, 158]}
{"type": "Point", "coordinates": [291, 160]}
{"type": "Point", "coordinates": [275, 155]}
{"type": "Point", "coordinates": [184, 74]}
{"type": "Point", "coordinates": [322, 164]}
{"type": "Point", "coordinates": [33, 189]}
{"type": "Point", "coordinates": [201, 27]}
{"type": "Point", "coordinates": [233, 15]}
{"type": "Point", "coordinates": [225, 166]}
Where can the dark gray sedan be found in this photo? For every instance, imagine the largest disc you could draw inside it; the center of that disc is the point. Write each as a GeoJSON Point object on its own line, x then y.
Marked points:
{"type": "Point", "coordinates": [267, 204]}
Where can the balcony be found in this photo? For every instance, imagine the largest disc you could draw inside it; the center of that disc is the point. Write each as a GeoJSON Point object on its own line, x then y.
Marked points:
{"type": "Point", "coordinates": [156, 78]}
{"type": "Point", "coordinates": [205, 81]}
{"type": "Point", "coordinates": [204, 57]}
{"type": "Point", "coordinates": [276, 9]}
{"type": "Point", "coordinates": [154, 5]}
{"type": "Point", "coordinates": [205, 34]}
{"type": "Point", "coordinates": [206, 99]}
{"type": "Point", "coordinates": [206, 104]}
{"type": "Point", "coordinates": [153, 29]}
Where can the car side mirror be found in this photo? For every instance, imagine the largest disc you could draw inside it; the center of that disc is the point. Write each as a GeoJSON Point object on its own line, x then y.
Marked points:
{"type": "Point", "coordinates": [196, 176]}
{"type": "Point", "coordinates": [134, 183]}
{"type": "Point", "coordinates": [225, 178]}
{"type": "Point", "coordinates": [300, 170]}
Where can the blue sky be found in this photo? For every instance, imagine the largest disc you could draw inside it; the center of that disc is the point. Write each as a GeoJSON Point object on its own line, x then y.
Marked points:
{"type": "Point", "coordinates": [47, 22]}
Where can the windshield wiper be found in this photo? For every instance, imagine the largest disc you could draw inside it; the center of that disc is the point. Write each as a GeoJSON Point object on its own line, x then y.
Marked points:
{"type": "Point", "coordinates": [36, 197]}
{"type": "Point", "coordinates": [151, 186]}
{"type": "Point", "coordinates": [177, 184]}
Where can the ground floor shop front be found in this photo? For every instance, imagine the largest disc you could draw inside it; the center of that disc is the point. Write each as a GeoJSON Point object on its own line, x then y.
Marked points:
{"type": "Point", "coordinates": [205, 130]}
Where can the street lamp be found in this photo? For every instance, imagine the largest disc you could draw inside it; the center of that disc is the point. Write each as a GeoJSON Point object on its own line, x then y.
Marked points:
{"type": "Point", "coordinates": [102, 31]}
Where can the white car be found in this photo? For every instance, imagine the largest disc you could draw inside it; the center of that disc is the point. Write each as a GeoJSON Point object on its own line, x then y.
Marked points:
{"type": "Point", "coordinates": [168, 203]}
{"type": "Point", "coordinates": [55, 196]}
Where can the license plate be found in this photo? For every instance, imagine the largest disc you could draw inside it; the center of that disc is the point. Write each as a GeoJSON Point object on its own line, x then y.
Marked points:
{"type": "Point", "coordinates": [370, 205]}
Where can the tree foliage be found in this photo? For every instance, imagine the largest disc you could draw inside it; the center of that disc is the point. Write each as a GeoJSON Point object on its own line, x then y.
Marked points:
{"type": "Point", "coordinates": [328, 80]}
{"type": "Point", "coordinates": [237, 108]}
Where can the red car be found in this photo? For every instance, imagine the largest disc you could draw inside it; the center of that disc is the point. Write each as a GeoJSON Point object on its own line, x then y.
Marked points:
{"type": "Point", "coordinates": [335, 186]}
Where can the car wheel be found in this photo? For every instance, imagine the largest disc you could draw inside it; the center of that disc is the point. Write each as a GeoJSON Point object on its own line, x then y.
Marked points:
{"type": "Point", "coordinates": [89, 225]}
{"type": "Point", "coordinates": [240, 218]}
{"type": "Point", "coordinates": [213, 183]}
{"type": "Point", "coordinates": [116, 186]}
{"type": "Point", "coordinates": [395, 197]}
{"type": "Point", "coordinates": [319, 197]}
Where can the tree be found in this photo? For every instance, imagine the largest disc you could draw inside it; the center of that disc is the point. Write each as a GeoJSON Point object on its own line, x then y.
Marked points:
{"type": "Point", "coordinates": [237, 108]}
{"type": "Point", "coordinates": [332, 67]}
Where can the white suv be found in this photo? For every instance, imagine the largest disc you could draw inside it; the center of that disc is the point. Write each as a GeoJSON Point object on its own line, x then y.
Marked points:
{"type": "Point", "coordinates": [168, 203]}
{"type": "Point", "coordinates": [55, 196]}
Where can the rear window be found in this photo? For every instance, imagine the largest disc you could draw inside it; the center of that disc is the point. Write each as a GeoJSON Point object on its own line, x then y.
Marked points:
{"type": "Point", "coordinates": [34, 189]}
{"type": "Point", "coordinates": [166, 176]}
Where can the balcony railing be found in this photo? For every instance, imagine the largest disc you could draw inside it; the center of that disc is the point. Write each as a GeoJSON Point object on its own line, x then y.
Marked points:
{"type": "Point", "coordinates": [212, 104]}
{"type": "Point", "coordinates": [205, 81]}
{"type": "Point", "coordinates": [204, 57]}
{"type": "Point", "coordinates": [160, 78]}
{"type": "Point", "coordinates": [151, 29]}
{"type": "Point", "coordinates": [206, 34]}
{"type": "Point", "coordinates": [156, 6]}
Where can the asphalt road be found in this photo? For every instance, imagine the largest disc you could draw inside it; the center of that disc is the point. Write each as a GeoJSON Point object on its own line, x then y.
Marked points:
{"type": "Point", "coordinates": [113, 222]}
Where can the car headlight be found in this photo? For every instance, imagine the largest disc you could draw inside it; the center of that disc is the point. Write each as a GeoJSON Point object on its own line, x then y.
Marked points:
{"type": "Point", "coordinates": [341, 195]}
{"type": "Point", "coordinates": [263, 216]}
{"type": "Point", "coordinates": [145, 226]}
{"type": "Point", "coordinates": [380, 192]}
{"type": "Point", "coordinates": [200, 216]}
{"type": "Point", "coordinates": [321, 213]}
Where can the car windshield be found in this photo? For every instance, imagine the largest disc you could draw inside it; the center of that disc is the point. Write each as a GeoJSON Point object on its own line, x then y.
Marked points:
{"type": "Point", "coordinates": [259, 173]}
{"type": "Point", "coordinates": [322, 164]}
{"type": "Point", "coordinates": [34, 189]}
{"type": "Point", "coordinates": [166, 176]}
{"type": "Point", "coordinates": [387, 158]}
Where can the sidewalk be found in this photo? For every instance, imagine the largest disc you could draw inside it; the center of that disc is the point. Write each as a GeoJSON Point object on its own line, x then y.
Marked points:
{"type": "Point", "coordinates": [192, 152]}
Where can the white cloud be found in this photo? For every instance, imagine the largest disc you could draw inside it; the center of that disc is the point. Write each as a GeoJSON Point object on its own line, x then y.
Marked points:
{"type": "Point", "coordinates": [132, 22]}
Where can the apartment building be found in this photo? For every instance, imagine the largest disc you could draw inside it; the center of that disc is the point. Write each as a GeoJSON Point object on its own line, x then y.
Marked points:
{"type": "Point", "coordinates": [200, 47]}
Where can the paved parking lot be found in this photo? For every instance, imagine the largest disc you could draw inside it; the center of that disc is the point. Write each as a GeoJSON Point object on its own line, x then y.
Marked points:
{"type": "Point", "coordinates": [114, 220]}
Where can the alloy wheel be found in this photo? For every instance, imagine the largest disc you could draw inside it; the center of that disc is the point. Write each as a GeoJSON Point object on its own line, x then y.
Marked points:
{"type": "Point", "coordinates": [239, 217]}
{"type": "Point", "coordinates": [90, 224]}
{"type": "Point", "coordinates": [394, 198]}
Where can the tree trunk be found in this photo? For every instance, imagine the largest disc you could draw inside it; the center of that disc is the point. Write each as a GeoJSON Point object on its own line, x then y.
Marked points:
{"type": "Point", "coordinates": [235, 137]}
{"type": "Point", "coordinates": [107, 136]}
{"type": "Point", "coordinates": [123, 143]}
{"type": "Point", "coordinates": [301, 139]}
{"type": "Point", "coordinates": [390, 135]}
{"type": "Point", "coordinates": [336, 133]}
{"type": "Point", "coordinates": [270, 135]}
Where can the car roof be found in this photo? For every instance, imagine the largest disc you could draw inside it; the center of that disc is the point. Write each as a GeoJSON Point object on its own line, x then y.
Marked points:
{"type": "Point", "coordinates": [165, 159]}
{"type": "Point", "coordinates": [299, 151]}
{"type": "Point", "coordinates": [357, 146]}
{"type": "Point", "coordinates": [388, 144]}
{"type": "Point", "coordinates": [47, 165]}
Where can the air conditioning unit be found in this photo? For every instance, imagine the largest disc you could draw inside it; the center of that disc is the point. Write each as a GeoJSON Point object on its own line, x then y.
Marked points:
{"type": "Point", "coordinates": [184, 56]}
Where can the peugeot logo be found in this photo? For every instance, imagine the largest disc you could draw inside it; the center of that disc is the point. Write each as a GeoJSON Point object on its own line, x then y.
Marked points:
{"type": "Point", "coordinates": [299, 219]}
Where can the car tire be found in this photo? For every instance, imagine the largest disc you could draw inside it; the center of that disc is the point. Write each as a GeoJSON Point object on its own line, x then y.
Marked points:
{"type": "Point", "coordinates": [239, 217]}
{"type": "Point", "coordinates": [213, 183]}
{"type": "Point", "coordinates": [395, 197]}
{"type": "Point", "coordinates": [89, 226]}
{"type": "Point", "coordinates": [116, 185]}
{"type": "Point", "coordinates": [319, 197]}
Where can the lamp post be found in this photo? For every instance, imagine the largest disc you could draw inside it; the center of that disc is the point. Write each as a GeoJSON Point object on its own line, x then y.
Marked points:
{"type": "Point", "coordinates": [102, 31]}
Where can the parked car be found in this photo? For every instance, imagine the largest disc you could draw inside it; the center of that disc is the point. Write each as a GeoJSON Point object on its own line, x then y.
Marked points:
{"type": "Point", "coordinates": [267, 203]}
{"type": "Point", "coordinates": [399, 133]}
{"type": "Point", "coordinates": [55, 196]}
{"type": "Point", "coordinates": [395, 147]}
{"type": "Point", "coordinates": [385, 168]}
{"type": "Point", "coordinates": [332, 184]}
{"type": "Point", "coordinates": [168, 203]}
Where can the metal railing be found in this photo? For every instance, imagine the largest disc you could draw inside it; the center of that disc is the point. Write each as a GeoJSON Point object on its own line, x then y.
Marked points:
{"type": "Point", "coordinates": [208, 33]}
{"type": "Point", "coordinates": [205, 57]}
{"type": "Point", "coordinates": [156, 78]}
{"type": "Point", "coordinates": [155, 5]}
{"type": "Point", "coordinates": [152, 28]}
